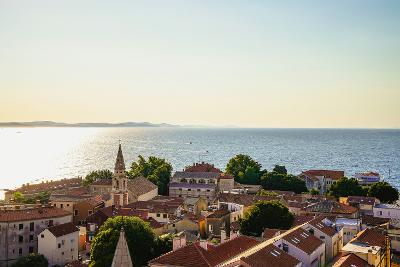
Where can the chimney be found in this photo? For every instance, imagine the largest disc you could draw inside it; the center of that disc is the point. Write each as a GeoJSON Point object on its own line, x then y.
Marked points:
{"type": "Point", "coordinates": [203, 243]}
{"type": "Point", "coordinates": [178, 242]}
{"type": "Point", "coordinates": [38, 204]}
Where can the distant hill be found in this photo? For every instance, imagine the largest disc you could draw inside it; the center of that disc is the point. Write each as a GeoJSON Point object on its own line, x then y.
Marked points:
{"type": "Point", "coordinates": [83, 124]}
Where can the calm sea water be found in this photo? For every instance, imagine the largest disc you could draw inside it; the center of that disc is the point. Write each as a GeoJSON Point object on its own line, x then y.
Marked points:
{"type": "Point", "coordinates": [29, 154]}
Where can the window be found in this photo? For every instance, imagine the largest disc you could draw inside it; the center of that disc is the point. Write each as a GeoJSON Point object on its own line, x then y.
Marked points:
{"type": "Point", "coordinates": [198, 190]}
{"type": "Point", "coordinates": [30, 238]}
{"type": "Point", "coordinates": [158, 215]}
{"type": "Point", "coordinates": [62, 253]}
{"type": "Point", "coordinates": [63, 242]}
{"type": "Point", "coordinates": [42, 235]}
{"type": "Point", "coordinates": [90, 212]}
{"type": "Point", "coordinates": [285, 248]}
{"type": "Point", "coordinates": [30, 249]}
{"type": "Point", "coordinates": [20, 251]}
{"type": "Point", "coordinates": [208, 190]}
{"type": "Point", "coordinates": [21, 226]}
{"type": "Point", "coordinates": [59, 245]}
{"type": "Point", "coordinates": [380, 212]}
{"type": "Point", "coordinates": [32, 226]}
{"type": "Point", "coordinates": [189, 189]}
{"type": "Point", "coordinates": [321, 237]}
{"type": "Point", "coordinates": [50, 222]}
{"type": "Point", "coordinates": [20, 239]}
{"type": "Point", "coordinates": [75, 212]}
{"type": "Point", "coordinates": [67, 205]}
{"type": "Point", "coordinates": [180, 195]}
{"type": "Point", "coordinates": [61, 205]}
{"type": "Point", "coordinates": [164, 215]}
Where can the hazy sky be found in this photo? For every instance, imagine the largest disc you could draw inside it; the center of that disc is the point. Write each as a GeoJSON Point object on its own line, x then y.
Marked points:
{"type": "Point", "coordinates": [245, 63]}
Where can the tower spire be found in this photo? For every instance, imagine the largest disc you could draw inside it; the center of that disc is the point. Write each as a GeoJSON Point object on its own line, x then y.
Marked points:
{"type": "Point", "coordinates": [122, 257]}
{"type": "Point", "coordinates": [119, 162]}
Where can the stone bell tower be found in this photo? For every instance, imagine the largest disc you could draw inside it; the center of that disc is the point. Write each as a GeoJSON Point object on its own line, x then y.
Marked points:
{"type": "Point", "coordinates": [119, 191]}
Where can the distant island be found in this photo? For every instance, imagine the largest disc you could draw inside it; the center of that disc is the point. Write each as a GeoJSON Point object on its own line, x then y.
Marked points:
{"type": "Point", "coordinates": [84, 124]}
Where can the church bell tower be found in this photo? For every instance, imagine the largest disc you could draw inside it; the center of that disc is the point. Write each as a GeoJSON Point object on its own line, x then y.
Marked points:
{"type": "Point", "coordinates": [119, 192]}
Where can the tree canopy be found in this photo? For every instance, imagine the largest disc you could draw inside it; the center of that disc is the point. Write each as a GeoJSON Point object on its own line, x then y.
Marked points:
{"type": "Point", "coordinates": [278, 181]}
{"type": "Point", "coordinates": [244, 169]}
{"type": "Point", "coordinates": [346, 187]}
{"type": "Point", "coordinates": [142, 242]}
{"type": "Point", "coordinates": [280, 169]}
{"type": "Point", "coordinates": [264, 192]}
{"type": "Point", "coordinates": [37, 260]}
{"type": "Point", "coordinates": [43, 197]}
{"type": "Point", "coordinates": [265, 214]}
{"type": "Point", "coordinates": [96, 175]}
{"type": "Point", "coordinates": [157, 170]}
{"type": "Point", "coordinates": [384, 192]}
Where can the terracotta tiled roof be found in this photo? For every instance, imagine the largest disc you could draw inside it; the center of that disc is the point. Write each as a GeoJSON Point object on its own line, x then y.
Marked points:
{"type": "Point", "coordinates": [270, 233]}
{"type": "Point", "coordinates": [361, 200]}
{"type": "Point", "coordinates": [300, 219]}
{"type": "Point", "coordinates": [371, 237]}
{"type": "Point", "coordinates": [48, 186]}
{"type": "Point", "coordinates": [351, 260]}
{"type": "Point", "coordinates": [270, 256]}
{"type": "Point", "coordinates": [202, 167]}
{"type": "Point", "coordinates": [195, 256]}
{"type": "Point", "coordinates": [370, 220]}
{"type": "Point", "coordinates": [334, 175]}
{"type": "Point", "coordinates": [329, 206]}
{"type": "Point", "coordinates": [218, 214]}
{"type": "Point", "coordinates": [32, 214]}
{"type": "Point", "coordinates": [226, 176]}
{"type": "Point", "coordinates": [105, 182]}
{"type": "Point", "coordinates": [95, 200]}
{"type": "Point", "coordinates": [205, 175]}
{"type": "Point", "coordinates": [63, 229]}
{"type": "Point", "coordinates": [140, 186]}
{"type": "Point", "coordinates": [160, 204]}
{"type": "Point", "coordinates": [319, 224]}
{"type": "Point", "coordinates": [303, 240]}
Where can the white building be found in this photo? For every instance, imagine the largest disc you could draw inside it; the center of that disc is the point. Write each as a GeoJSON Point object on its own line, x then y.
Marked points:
{"type": "Point", "coordinates": [390, 211]}
{"type": "Point", "coordinates": [321, 179]}
{"type": "Point", "coordinates": [367, 178]}
{"type": "Point", "coordinates": [350, 228]}
{"type": "Point", "coordinates": [303, 246]}
{"type": "Point", "coordinates": [59, 244]}
{"type": "Point", "coordinates": [19, 230]}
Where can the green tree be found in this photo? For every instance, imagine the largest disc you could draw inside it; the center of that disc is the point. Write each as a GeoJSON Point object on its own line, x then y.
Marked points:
{"type": "Point", "coordinates": [280, 169]}
{"type": "Point", "coordinates": [96, 175]}
{"type": "Point", "coordinates": [142, 242]}
{"type": "Point", "coordinates": [384, 192]}
{"type": "Point", "coordinates": [244, 169]}
{"type": "Point", "coordinates": [264, 192]}
{"type": "Point", "coordinates": [314, 191]}
{"type": "Point", "coordinates": [36, 260]}
{"type": "Point", "coordinates": [265, 214]}
{"type": "Point", "coordinates": [278, 181]}
{"type": "Point", "coordinates": [157, 170]}
{"type": "Point", "coordinates": [18, 197]}
{"type": "Point", "coordinates": [346, 187]}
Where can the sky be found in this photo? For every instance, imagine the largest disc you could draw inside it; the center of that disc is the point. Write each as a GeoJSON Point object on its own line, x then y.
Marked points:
{"type": "Point", "coordinates": [299, 64]}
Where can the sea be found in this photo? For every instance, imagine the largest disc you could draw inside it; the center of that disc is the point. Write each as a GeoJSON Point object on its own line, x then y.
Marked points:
{"type": "Point", "coordinates": [29, 155]}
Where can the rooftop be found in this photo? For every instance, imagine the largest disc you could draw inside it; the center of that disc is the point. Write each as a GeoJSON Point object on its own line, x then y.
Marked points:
{"type": "Point", "coordinates": [351, 260]}
{"type": "Point", "coordinates": [361, 200]}
{"type": "Point", "coordinates": [204, 175]}
{"type": "Point", "coordinates": [104, 182]}
{"type": "Point", "coordinates": [63, 229]}
{"type": "Point", "coordinates": [303, 240]}
{"type": "Point", "coordinates": [188, 185]}
{"type": "Point", "coordinates": [320, 223]}
{"type": "Point", "coordinates": [140, 186]}
{"type": "Point", "coordinates": [195, 256]}
{"type": "Point", "coordinates": [332, 174]}
{"type": "Point", "coordinates": [270, 256]}
{"type": "Point", "coordinates": [202, 167]}
{"type": "Point", "coordinates": [330, 206]}
{"type": "Point", "coordinates": [32, 214]}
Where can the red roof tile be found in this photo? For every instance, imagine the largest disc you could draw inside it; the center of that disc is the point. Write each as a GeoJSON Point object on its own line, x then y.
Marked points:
{"type": "Point", "coordinates": [63, 229]}
{"type": "Point", "coordinates": [270, 256]}
{"type": "Point", "coordinates": [371, 237]}
{"type": "Point", "coordinates": [32, 214]}
{"type": "Point", "coordinates": [334, 175]}
{"type": "Point", "coordinates": [195, 256]}
{"type": "Point", "coordinates": [351, 260]}
{"type": "Point", "coordinates": [319, 224]}
{"type": "Point", "coordinates": [303, 240]}
{"type": "Point", "coordinates": [202, 167]}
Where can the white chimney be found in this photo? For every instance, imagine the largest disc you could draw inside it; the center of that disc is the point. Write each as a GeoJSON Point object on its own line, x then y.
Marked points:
{"type": "Point", "coordinates": [178, 242]}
